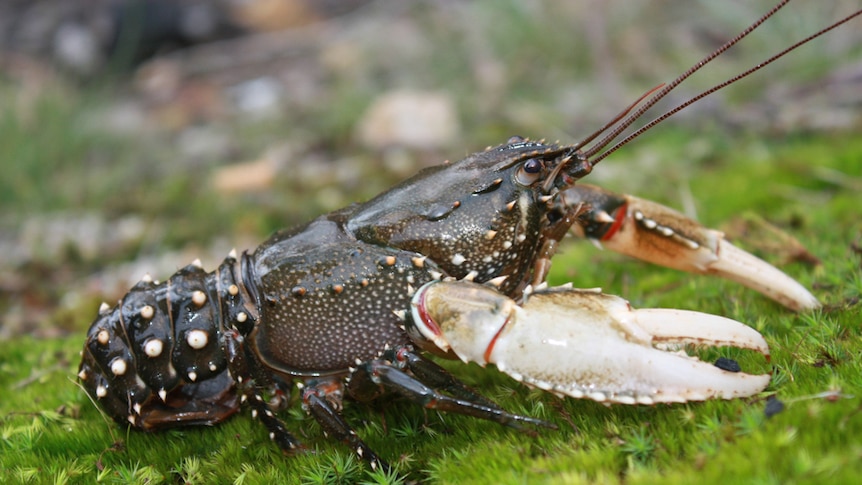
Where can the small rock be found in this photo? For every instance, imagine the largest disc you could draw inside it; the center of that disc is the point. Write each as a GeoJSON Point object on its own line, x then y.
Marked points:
{"type": "Point", "coordinates": [409, 119]}
{"type": "Point", "coordinates": [729, 365]}
{"type": "Point", "coordinates": [258, 97]}
{"type": "Point", "coordinates": [77, 48]}
{"type": "Point", "coordinates": [204, 142]}
{"type": "Point", "coordinates": [773, 406]}
{"type": "Point", "coordinates": [253, 175]}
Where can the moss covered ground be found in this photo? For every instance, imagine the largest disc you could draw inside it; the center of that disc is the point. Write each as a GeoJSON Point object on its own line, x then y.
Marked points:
{"type": "Point", "coordinates": [51, 433]}
{"type": "Point", "coordinates": [762, 184]}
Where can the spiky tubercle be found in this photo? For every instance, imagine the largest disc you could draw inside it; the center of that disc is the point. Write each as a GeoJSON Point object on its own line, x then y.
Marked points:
{"type": "Point", "coordinates": [157, 358]}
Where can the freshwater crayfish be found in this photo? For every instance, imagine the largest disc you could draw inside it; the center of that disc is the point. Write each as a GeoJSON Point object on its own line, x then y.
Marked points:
{"type": "Point", "coordinates": [343, 305]}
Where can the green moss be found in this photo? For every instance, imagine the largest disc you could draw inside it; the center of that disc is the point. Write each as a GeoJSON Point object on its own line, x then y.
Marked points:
{"type": "Point", "coordinates": [51, 433]}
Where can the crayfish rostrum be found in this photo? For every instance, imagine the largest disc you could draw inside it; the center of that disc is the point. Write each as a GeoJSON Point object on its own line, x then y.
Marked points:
{"type": "Point", "coordinates": [452, 261]}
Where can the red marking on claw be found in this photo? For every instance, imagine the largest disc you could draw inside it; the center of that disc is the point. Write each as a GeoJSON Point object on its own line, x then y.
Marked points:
{"type": "Point", "coordinates": [490, 348]}
{"type": "Point", "coordinates": [426, 318]}
{"type": "Point", "coordinates": [618, 222]}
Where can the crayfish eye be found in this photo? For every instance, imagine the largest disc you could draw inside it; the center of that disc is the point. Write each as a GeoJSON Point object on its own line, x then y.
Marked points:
{"type": "Point", "coordinates": [530, 171]}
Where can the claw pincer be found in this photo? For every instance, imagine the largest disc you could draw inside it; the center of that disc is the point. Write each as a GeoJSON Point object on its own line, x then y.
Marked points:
{"type": "Point", "coordinates": [586, 344]}
{"type": "Point", "coordinates": [658, 234]}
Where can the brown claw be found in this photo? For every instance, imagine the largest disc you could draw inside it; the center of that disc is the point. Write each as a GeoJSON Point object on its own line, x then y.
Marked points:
{"type": "Point", "coordinates": [658, 234]}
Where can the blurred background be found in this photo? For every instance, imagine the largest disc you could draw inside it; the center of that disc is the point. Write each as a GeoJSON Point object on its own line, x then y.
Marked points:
{"type": "Point", "coordinates": [138, 135]}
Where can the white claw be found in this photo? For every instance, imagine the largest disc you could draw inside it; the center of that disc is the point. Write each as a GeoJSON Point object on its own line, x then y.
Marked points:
{"type": "Point", "coordinates": [587, 344]}
{"type": "Point", "coordinates": [668, 326]}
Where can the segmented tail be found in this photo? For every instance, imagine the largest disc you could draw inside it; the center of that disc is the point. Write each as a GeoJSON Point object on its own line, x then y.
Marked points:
{"type": "Point", "coordinates": [157, 359]}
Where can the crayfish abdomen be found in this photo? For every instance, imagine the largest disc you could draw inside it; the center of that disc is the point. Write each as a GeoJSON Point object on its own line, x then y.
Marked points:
{"type": "Point", "coordinates": [157, 359]}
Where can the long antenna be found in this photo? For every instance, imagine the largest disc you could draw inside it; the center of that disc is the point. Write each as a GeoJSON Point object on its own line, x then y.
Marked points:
{"type": "Point", "coordinates": [715, 88]}
{"type": "Point", "coordinates": [625, 123]}
{"type": "Point", "coordinates": [619, 116]}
